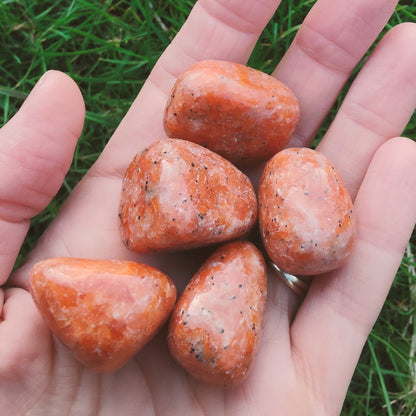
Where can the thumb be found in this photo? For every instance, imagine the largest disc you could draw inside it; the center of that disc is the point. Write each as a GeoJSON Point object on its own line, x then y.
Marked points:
{"type": "Point", "coordinates": [36, 149]}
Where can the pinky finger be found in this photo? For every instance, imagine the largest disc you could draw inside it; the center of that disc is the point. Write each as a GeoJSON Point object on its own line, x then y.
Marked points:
{"type": "Point", "coordinates": [346, 303]}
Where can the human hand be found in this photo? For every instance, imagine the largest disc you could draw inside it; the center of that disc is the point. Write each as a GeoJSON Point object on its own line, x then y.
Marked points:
{"type": "Point", "coordinates": [299, 369]}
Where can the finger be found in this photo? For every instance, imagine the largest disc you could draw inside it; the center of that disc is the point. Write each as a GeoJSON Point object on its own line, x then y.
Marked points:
{"type": "Point", "coordinates": [341, 308]}
{"type": "Point", "coordinates": [215, 29]}
{"type": "Point", "coordinates": [378, 106]}
{"type": "Point", "coordinates": [36, 148]}
{"type": "Point", "coordinates": [331, 41]}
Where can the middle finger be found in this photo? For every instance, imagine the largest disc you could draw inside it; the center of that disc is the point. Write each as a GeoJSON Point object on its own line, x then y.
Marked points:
{"type": "Point", "coordinates": [331, 41]}
{"type": "Point", "coordinates": [377, 107]}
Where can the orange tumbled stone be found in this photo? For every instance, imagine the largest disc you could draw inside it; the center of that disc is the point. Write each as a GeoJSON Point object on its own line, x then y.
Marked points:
{"type": "Point", "coordinates": [104, 311]}
{"type": "Point", "coordinates": [236, 111]}
{"type": "Point", "coordinates": [177, 195]}
{"type": "Point", "coordinates": [306, 214]}
{"type": "Point", "coordinates": [216, 325]}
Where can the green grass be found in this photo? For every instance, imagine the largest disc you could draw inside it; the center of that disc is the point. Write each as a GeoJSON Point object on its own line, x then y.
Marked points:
{"type": "Point", "coordinates": [109, 48]}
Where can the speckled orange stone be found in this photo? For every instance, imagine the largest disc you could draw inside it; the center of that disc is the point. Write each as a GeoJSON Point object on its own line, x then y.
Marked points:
{"type": "Point", "coordinates": [306, 215]}
{"type": "Point", "coordinates": [238, 112]}
{"type": "Point", "coordinates": [178, 195]}
{"type": "Point", "coordinates": [215, 328]}
{"type": "Point", "coordinates": [103, 311]}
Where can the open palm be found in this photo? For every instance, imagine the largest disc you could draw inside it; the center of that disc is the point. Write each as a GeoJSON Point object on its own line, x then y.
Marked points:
{"type": "Point", "coordinates": [309, 350]}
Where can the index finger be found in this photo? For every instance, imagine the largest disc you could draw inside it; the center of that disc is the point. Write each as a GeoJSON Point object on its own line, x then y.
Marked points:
{"type": "Point", "coordinates": [223, 30]}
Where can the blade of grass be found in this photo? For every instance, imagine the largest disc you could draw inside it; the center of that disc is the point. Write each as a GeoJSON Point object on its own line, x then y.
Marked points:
{"type": "Point", "coordinates": [412, 282]}
{"type": "Point", "coordinates": [379, 372]}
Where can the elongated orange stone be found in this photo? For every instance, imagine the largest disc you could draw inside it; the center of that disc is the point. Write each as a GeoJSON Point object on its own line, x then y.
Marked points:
{"type": "Point", "coordinates": [216, 326]}
{"type": "Point", "coordinates": [103, 311]}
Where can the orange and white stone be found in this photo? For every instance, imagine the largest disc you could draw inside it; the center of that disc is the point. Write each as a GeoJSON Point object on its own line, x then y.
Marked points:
{"type": "Point", "coordinates": [216, 326]}
{"type": "Point", "coordinates": [238, 112]}
{"type": "Point", "coordinates": [178, 195]}
{"type": "Point", "coordinates": [306, 215]}
{"type": "Point", "coordinates": [103, 311]}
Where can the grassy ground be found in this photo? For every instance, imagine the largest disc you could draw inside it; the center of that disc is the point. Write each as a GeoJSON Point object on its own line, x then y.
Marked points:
{"type": "Point", "coordinates": [109, 47]}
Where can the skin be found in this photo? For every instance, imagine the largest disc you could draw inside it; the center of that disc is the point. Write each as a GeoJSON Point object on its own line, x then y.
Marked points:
{"type": "Point", "coordinates": [297, 370]}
